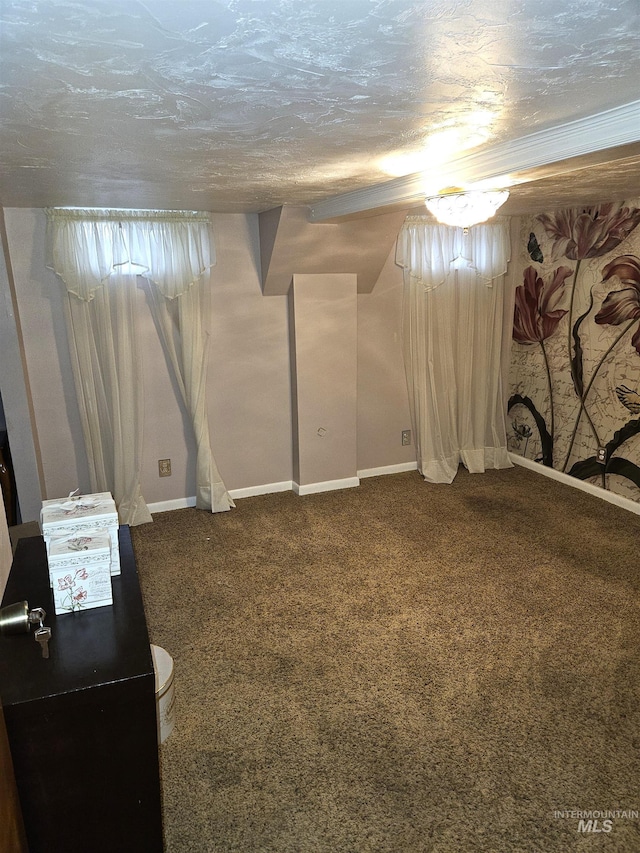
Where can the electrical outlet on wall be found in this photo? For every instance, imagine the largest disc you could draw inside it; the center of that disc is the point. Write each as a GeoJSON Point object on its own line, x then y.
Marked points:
{"type": "Point", "coordinates": [164, 467]}
{"type": "Point", "coordinates": [406, 437]}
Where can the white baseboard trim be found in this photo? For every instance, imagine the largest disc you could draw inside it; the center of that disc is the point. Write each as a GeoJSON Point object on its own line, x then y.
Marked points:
{"type": "Point", "coordinates": [611, 497]}
{"type": "Point", "coordinates": [289, 485]}
{"type": "Point", "coordinates": [176, 503]}
{"type": "Point", "coordinates": [326, 486]}
{"type": "Point", "coordinates": [266, 489]}
{"type": "Point", "coordinates": [184, 503]}
{"type": "Point", "coordinates": [388, 469]}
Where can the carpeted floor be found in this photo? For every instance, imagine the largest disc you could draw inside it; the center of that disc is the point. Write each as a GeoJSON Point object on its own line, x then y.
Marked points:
{"type": "Point", "coordinates": [400, 667]}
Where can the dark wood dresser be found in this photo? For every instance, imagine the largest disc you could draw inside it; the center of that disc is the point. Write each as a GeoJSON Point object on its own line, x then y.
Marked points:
{"type": "Point", "coordinates": [82, 724]}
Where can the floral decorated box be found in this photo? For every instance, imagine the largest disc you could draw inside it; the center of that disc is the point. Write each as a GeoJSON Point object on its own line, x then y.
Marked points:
{"type": "Point", "coordinates": [80, 571]}
{"type": "Point", "coordinates": [82, 515]}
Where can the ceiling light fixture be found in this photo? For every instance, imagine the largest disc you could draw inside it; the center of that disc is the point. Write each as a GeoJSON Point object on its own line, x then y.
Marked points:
{"type": "Point", "coordinates": [464, 209]}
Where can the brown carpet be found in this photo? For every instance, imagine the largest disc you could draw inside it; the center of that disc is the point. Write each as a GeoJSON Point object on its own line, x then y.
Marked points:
{"type": "Point", "coordinates": [400, 667]}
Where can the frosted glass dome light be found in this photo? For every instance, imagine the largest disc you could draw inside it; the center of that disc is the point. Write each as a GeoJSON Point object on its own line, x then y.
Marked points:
{"type": "Point", "coordinates": [464, 209]}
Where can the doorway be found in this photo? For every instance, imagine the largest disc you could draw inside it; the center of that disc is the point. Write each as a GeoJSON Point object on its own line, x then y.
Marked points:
{"type": "Point", "coordinates": [7, 476]}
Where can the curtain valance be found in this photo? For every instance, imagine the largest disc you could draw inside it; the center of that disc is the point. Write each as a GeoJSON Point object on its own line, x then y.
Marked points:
{"type": "Point", "coordinates": [426, 250]}
{"type": "Point", "coordinates": [172, 248]}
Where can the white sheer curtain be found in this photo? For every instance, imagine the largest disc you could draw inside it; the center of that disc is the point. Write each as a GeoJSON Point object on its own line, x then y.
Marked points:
{"type": "Point", "coordinates": [106, 368]}
{"type": "Point", "coordinates": [180, 327]}
{"type": "Point", "coordinates": [457, 322]}
{"type": "Point", "coordinates": [96, 253]}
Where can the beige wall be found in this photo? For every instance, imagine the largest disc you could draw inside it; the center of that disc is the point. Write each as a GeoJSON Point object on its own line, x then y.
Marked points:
{"type": "Point", "coordinates": [5, 550]}
{"type": "Point", "coordinates": [40, 313]}
{"type": "Point", "coordinates": [324, 314]}
{"type": "Point", "coordinates": [14, 387]}
{"type": "Point", "coordinates": [249, 384]}
{"type": "Point", "coordinates": [383, 402]}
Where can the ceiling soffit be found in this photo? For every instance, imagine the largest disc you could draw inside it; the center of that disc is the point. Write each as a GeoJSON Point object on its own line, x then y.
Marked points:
{"type": "Point", "coordinates": [290, 244]}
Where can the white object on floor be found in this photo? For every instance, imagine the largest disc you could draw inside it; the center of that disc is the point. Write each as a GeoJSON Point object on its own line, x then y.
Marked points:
{"type": "Point", "coordinates": [165, 711]}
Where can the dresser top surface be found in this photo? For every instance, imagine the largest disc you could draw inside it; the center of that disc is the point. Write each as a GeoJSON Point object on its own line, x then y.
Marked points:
{"type": "Point", "coordinates": [88, 648]}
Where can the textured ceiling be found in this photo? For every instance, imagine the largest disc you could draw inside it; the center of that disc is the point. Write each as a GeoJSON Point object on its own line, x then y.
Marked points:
{"type": "Point", "coordinates": [244, 105]}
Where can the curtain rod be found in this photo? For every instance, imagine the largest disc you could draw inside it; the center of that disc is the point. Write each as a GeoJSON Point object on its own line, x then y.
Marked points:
{"type": "Point", "coordinates": [94, 214]}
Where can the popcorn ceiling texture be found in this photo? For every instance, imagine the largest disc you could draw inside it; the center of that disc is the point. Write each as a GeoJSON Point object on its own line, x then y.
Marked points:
{"type": "Point", "coordinates": [245, 104]}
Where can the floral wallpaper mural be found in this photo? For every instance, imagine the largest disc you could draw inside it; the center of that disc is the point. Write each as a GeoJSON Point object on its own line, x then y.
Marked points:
{"type": "Point", "coordinates": [575, 366]}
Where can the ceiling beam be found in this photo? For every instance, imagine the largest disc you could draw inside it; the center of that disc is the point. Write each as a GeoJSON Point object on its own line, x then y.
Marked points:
{"type": "Point", "coordinates": [596, 133]}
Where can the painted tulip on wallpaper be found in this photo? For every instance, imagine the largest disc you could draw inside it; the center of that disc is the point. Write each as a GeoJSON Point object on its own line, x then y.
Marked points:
{"type": "Point", "coordinates": [581, 236]}
{"type": "Point", "coordinates": [536, 317]}
{"type": "Point", "coordinates": [622, 305]}
{"type": "Point", "coordinates": [536, 314]}
{"type": "Point", "coordinates": [586, 233]}
{"type": "Point", "coordinates": [589, 232]}
{"type": "Point", "coordinates": [618, 307]}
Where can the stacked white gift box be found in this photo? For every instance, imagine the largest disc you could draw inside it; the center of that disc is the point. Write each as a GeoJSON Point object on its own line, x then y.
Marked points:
{"type": "Point", "coordinates": [80, 572]}
{"type": "Point", "coordinates": [81, 537]}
